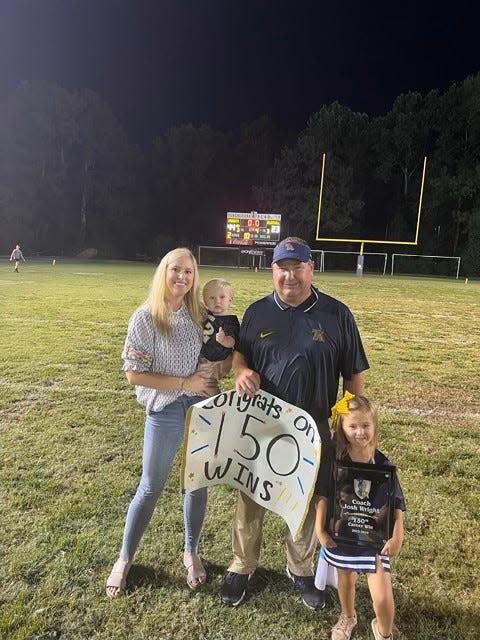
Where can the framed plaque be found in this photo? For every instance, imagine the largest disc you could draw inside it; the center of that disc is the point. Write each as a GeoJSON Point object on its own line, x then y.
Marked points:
{"type": "Point", "coordinates": [361, 504]}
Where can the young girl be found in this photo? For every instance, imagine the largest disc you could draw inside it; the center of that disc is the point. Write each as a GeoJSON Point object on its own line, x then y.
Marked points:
{"type": "Point", "coordinates": [355, 436]}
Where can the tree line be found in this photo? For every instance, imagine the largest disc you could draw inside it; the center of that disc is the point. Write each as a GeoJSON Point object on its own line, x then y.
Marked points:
{"type": "Point", "coordinates": [70, 178]}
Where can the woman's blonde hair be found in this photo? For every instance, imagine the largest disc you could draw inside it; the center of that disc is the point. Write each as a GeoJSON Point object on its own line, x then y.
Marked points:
{"type": "Point", "coordinates": [156, 300]}
{"type": "Point", "coordinates": [357, 403]}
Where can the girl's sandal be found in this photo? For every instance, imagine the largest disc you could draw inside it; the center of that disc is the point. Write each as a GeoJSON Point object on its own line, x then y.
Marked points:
{"type": "Point", "coordinates": [196, 574]}
{"type": "Point", "coordinates": [117, 580]}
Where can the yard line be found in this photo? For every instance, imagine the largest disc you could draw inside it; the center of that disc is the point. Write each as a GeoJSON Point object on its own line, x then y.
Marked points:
{"type": "Point", "coordinates": [466, 415]}
{"type": "Point", "coordinates": [39, 391]}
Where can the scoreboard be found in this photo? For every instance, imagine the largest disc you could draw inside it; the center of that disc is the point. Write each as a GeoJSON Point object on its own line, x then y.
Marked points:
{"type": "Point", "coordinates": [253, 228]}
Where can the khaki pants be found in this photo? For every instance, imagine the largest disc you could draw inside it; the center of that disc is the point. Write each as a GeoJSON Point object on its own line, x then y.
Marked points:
{"type": "Point", "coordinates": [216, 370]}
{"type": "Point", "coordinates": [247, 533]}
{"type": "Point", "coordinates": [247, 539]}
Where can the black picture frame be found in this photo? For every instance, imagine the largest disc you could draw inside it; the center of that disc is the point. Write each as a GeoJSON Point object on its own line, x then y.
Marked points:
{"type": "Point", "coordinates": [361, 505]}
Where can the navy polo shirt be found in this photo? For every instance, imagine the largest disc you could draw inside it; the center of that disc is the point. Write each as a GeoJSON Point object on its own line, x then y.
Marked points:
{"type": "Point", "coordinates": [301, 352]}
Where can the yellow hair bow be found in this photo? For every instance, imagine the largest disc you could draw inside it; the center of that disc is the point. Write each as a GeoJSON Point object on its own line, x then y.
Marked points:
{"type": "Point", "coordinates": [342, 405]}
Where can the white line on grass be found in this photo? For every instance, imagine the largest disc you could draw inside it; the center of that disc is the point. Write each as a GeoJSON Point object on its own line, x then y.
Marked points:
{"type": "Point", "coordinates": [16, 282]}
{"type": "Point", "coordinates": [467, 415]}
{"type": "Point", "coordinates": [36, 393]}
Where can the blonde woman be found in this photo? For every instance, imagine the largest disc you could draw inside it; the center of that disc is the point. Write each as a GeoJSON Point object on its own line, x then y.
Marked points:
{"type": "Point", "coordinates": [160, 355]}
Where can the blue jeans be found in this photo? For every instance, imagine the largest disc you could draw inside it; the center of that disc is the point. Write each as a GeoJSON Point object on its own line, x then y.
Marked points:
{"type": "Point", "coordinates": [163, 436]}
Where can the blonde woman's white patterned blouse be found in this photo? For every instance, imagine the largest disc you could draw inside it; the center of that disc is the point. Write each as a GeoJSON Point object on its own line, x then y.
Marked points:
{"type": "Point", "coordinates": [146, 349]}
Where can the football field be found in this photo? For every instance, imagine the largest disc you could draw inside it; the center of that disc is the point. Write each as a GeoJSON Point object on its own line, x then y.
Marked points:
{"type": "Point", "coordinates": [71, 440]}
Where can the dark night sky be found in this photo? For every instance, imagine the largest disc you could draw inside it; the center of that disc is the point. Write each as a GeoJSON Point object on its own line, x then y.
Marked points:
{"type": "Point", "coordinates": [159, 63]}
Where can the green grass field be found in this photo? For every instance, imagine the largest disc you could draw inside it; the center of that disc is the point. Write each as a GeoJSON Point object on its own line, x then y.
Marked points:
{"type": "Point", "coordinates": [71, 438]}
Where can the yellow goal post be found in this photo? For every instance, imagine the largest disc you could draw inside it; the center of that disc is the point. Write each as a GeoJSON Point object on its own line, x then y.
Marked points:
{"type": "Point", "coordinates": [363, 241]}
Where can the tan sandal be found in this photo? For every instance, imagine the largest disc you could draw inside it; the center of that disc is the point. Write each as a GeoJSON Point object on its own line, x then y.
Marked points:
{"type": "Point", "coordinates": [196, 574]}
{"type": "Point", "coordinates": [117, 580]}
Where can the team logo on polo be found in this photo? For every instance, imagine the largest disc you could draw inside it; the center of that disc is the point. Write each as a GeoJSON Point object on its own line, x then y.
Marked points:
{"type": "Point", "coordinates": [318, 335]}
{"type": "Point", "coordinates": [362, 487]}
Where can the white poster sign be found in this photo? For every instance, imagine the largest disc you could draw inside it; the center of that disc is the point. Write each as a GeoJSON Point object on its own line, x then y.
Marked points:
{"type": "Point", "coordinates": [265, 447]}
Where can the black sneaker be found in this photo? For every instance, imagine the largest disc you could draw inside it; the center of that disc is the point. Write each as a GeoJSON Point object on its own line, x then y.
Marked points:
{"type": "Point", "coordinates": [305, 585]}
{"type": "Point", "coordinates": [234, 587]}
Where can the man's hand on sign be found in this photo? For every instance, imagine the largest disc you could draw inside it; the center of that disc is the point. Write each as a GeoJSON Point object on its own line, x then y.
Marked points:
{"type": "Point", "coordinates": [247, 381]}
